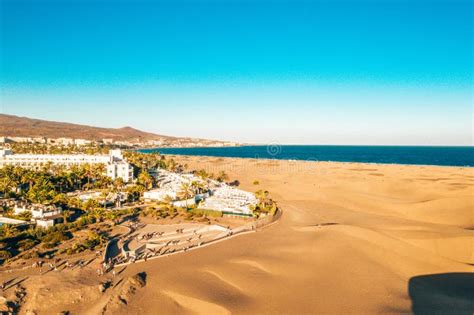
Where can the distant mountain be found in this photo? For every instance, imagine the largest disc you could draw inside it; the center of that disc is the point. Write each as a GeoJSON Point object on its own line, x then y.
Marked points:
{"type": "Point", "coordinates": [14, 126]}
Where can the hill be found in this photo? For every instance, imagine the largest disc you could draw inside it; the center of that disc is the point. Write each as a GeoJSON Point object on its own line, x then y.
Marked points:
{"type": "Point", "coordinates": [15, 126]}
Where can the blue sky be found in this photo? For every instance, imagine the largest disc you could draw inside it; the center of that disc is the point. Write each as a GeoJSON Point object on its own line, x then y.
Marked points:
{"type": "Point", "coordinates": [309, 72]}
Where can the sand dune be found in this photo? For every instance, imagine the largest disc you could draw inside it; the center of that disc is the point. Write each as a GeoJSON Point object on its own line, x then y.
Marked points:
{"type": "Point", "coordinates": [196, 305]}
{"type": "Point", "coordinates": [348, 242]}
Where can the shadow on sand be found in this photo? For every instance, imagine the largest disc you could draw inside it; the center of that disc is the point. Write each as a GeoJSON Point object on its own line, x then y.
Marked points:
{"type": "Point", "coordinates": [447, 293]}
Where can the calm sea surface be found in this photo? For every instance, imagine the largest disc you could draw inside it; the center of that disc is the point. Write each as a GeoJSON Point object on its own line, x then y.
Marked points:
{"type": "Point", "coordinates": [422, 155]}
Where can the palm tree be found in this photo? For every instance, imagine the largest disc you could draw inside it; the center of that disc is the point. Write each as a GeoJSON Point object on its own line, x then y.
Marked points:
{"type": "Point", "coordinates": [119, 183]}
{"type": "Point", "coordinates": [198, 186]}
{"type": "Point", "coordinates": [145, 179]}
{"type": "Point", "coordinates": [186, 192]}
{"type": "Point", "coordinates": [66, 215]}
{"type": "Point", "coordinates": [112, 216]}
{"type": "Point", "coordinates": [262, 196]}
{"type": "Point", "coordinates": [171, 165]}
{"type": "Point", "coordinates": [203, 174]}
{"type": "Point", "coordinates": [98, 213]}
{"type": "Point", "coordinates": [8, 230]}
{"type": "Point", "coordinates": [5, 184]}
{"type": "Point", "coordinates": [222, 177]}
{"type": "Point", "coordinates": [103, 197]}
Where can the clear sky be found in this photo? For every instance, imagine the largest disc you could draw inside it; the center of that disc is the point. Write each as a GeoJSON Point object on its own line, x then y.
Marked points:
{"type": "Point", "coordinates": [307, 72]}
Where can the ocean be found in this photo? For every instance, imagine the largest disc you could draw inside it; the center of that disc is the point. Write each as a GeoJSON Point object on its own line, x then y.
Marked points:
{"type": "Point", "coordinates": [416, 155]}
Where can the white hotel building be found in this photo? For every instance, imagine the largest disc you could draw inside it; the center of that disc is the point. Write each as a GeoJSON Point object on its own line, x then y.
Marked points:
{"type": "Point", "coordinates": [116, 165]}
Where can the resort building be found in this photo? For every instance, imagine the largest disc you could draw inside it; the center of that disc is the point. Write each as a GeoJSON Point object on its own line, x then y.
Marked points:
{"type": "Point", "coordinates": [82, 142]}
{"type": "Point", "coordinates": [44, 216]}
{"type": "Point", "coordinates": [169, 184]}
{"type": "Point", "coordinates": [116, 165]}
{"type": "Point", "coordinates": [229, 200]}
{"type": "Point", "coordinates": [37, 211]}
{"type": "Point", "coordinates": [110, 199]}
{"type": "Point", "coordinates": [10, 221]}
{"type": "Point", "coordinates": [217, 196]}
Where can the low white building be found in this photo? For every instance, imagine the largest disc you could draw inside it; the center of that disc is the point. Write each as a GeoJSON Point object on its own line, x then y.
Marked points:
{"type": "Point", "coordinates": [37, 211]}
{"type": "Point", "coordinates": [65, 141]}
{"type": "Point", "coordinates": [230, 200]}
{"type": "Point", "coordinates": [82, 142]}
{"type": "Point", "coordinates": [158, 195]}
{"type": "Point", "coordinates": [116, 165]}
{"type": "Point", "coordinates": [48, 222]}
{"type": "Point", "coordinates": [9, 221]}
{"type": "Point", "coordinates": [84, 196]}
{"type": "Point", "coordinates": [41, 140]}
{"type": "Point", "coordinates": [43, 216]}
{"type": "Point", "coordinates": [110, 199]}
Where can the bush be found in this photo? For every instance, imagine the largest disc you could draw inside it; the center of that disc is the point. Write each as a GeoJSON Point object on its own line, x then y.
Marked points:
{"type": "Point", "coordinates": [5, 254]}
{"type": "Point", "coordinates": [31, 254]}
{"type": "Point", "coordinates": [94, 240]}
{"type": "Point", "coordinates": [75, 248]}
{"type": "Point", "coordinates": [26, 244]}
{"type": "Point", "coordinates": [256, 182]}
{"type": "Point", "coordinates": [25, 216]}
{"type": "Point", "coordinates": [55, 237]}
{"type": "Point", "coordinates": [207, 212]}
{"type": "Point", "coordinates": [48, 245]}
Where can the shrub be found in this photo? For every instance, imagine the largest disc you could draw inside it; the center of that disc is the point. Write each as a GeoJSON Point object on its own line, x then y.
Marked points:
{"type": "Point", "coordinates": [94, 240]}
{"type": "Point", "coordinates": [55, 237]}
{"type": "Point", "coordinates": [25, 216]}
{"type": "Point", "coordinates": [26, 244]}
{"type": "Point", "coordinates": [31, 254]}
{"type": "Point", "coordinates": [207, 212]}
{"type": "Point", "coordinates": [256, 182]}
{"type": "Point", "coordinates": [75, 248]}
{"type": "Point", "coordinates": [5, 254]}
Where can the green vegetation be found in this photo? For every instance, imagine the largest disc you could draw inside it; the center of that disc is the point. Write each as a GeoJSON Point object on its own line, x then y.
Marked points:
{"type": "Point", "coordinates": [163, 210]}
{"type": "Point", "coordinates": [265, 205]}
{"type": "Point", "coordinates": [37, 148]}
{"type": "Point", "coordinates": [14, 241]}
{"type": "Point", "coordinates": [93, 241]}
{"type": "Point", "coordinates": [206, 212]}
{"type": "Point", "coordinates": [49, 184]}
{"type": "Point", "coordinates": [222, 177]}
{"type": "Point", "coordinates": [186, 191]}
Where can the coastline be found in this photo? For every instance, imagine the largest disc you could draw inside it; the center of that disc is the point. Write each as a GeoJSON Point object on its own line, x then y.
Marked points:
{"type": "Point", "coordinates": [313, 154]}
{"type": "Point", "coordinates": [312, 161]}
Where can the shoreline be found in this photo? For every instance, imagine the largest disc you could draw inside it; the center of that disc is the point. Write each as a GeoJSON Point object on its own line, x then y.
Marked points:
{"type": "Point", "coordinates": [316, 161]}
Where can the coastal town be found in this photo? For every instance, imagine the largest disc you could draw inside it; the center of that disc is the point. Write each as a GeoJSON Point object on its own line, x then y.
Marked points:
{"type": "Point", "coordinates": [118, 208]}
{"type": "Point", "coordinates": [163, 142]}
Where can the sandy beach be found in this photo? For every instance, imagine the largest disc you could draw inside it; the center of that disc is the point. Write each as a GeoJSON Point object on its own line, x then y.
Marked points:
{"type": "Point", "coordinates": [353, 238]}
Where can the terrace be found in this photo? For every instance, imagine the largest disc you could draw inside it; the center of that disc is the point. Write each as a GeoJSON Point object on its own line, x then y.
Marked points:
{"type": "Point", "coordinates": [160, 240]}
